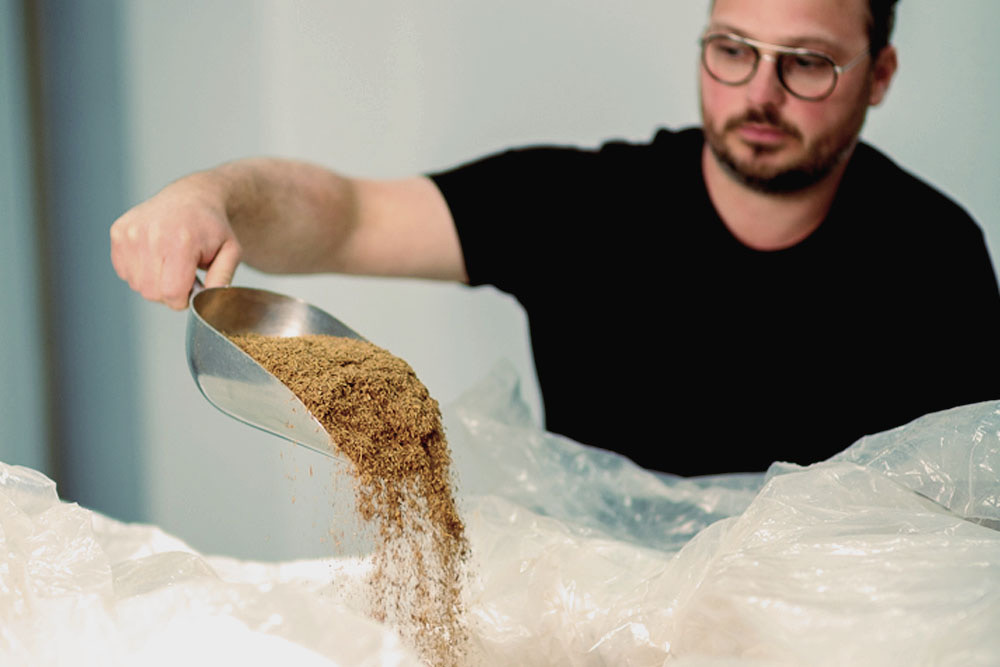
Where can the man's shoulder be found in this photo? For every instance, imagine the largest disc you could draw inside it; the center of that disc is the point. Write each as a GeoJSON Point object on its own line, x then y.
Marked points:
{"type": "Point", "coordinates": [907, 209]}
{"type": "Point", "coordinates": [663, 141]}
{"type": "Point", "coordinates": [670, 158]}
{"type": "Point", "coordinates": [886, 186]}
{"type": "Point", "coordinates": [630, 155]}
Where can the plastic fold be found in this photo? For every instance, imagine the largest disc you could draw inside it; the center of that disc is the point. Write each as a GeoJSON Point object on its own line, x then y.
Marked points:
{"type": "Point", "coordinates": [887, 554]}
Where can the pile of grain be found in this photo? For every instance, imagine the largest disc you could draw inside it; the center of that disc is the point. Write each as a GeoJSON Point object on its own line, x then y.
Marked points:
{"type": "Point", "coordinates": [385, 422]}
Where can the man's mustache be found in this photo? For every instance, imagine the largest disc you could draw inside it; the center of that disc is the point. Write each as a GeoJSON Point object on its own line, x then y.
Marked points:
{"type": "Point", "coordinates": [763, 117]}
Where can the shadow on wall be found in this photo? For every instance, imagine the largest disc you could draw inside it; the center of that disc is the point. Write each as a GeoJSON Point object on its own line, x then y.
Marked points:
{"type": "Point", "coordinates": [90, 403]}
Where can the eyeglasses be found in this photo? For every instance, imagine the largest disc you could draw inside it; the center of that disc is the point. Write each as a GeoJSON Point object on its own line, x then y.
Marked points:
{"type": "Point", "coordinates": [808, 75]}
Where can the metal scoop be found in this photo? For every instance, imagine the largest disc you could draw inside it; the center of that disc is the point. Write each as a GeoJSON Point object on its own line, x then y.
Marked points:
{"type": "Point", "coordinates": [232, 380]}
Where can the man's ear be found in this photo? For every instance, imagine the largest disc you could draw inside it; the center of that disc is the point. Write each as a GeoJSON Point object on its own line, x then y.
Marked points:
{"type": "Point", "coordinates": [882, 73]}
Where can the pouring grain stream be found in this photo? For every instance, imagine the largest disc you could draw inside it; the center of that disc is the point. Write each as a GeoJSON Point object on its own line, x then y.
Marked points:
{"type": "Point", "coordinates": [383, 419]}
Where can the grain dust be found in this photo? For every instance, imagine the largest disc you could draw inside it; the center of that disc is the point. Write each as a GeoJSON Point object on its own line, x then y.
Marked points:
{"type": "Point", "coordinates": [383, 419]}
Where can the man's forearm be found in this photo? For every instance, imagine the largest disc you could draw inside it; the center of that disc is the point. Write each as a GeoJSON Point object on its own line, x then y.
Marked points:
{"type": "Point", "coordinates": [282, 216]}
{"type": "Point", "coordinates": [290, 217]}
{"type": "Point", "coordinates": [295, 217]}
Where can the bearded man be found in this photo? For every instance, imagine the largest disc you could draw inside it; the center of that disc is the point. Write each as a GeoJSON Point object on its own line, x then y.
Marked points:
{"type": "Point", "coordinates": [787, 288]}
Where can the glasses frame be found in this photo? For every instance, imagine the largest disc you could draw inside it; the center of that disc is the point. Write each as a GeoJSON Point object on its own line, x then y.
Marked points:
{"type": "Point", "coordinates": [773, 53]}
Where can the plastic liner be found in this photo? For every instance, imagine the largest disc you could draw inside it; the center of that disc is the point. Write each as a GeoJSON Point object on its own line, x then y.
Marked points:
{"type": "Point", "coordinates": [884, 555]}
{"type": "Point", "coordinates": [78, 588]}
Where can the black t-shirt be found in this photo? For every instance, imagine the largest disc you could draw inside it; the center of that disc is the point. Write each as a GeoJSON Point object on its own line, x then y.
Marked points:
{"type": "Point", "coordinates": [658, 335]}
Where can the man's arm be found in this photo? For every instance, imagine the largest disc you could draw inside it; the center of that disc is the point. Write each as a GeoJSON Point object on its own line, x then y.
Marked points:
{"type": "Point", "coordinates": [283, 216]}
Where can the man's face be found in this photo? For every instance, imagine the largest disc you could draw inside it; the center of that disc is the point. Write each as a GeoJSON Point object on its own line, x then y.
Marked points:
{"type": "Point", "coordinates": [760, 133]}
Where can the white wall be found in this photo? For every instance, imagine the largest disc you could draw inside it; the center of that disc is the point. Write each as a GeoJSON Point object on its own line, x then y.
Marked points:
{"type": "Point", "coordinates": [390, 88]}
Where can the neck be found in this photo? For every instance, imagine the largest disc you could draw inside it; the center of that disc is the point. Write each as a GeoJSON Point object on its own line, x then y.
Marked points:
{"type": "Point", "coordinates": [764, 220]}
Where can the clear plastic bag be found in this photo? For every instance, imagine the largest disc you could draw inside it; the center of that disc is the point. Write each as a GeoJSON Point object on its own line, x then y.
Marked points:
{"type": "Point", "coordinates": [78, 588]}
{"type": "Point", "coordinates": [883, 555]}
{"type": "Point", "coordinates": [886, 554]}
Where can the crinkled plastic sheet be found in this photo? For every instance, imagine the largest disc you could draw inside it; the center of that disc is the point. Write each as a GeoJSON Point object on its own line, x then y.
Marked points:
{"type": "Point", "coordinates": [78, 588]}
{"type": "Point", "coordinates": [887, 554]}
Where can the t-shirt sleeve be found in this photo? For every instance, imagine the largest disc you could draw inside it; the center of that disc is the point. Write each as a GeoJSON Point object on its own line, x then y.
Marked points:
{"type": "Point", "coordinates": [520, 212]}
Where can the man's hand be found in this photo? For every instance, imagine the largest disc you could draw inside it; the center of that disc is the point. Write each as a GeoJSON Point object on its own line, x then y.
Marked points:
{"type": "Point", "coordinates": [157, 245]}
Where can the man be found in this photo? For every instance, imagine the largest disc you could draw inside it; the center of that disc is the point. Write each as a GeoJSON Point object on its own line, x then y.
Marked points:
{"type": "Point", "coordinates": [797, 290]}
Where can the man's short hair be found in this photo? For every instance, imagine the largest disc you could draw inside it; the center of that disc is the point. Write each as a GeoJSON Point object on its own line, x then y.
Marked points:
{"type": "Point", "coordinates": [881, 18]}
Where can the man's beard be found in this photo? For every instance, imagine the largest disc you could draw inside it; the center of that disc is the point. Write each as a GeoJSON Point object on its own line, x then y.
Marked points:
{"type": "Point", "coordinates": [825, 153]}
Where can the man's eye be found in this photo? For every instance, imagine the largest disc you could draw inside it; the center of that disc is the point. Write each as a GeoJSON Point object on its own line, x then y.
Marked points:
{"type": "Point", "coordinates": [807, 63]}
{"type": "Point", "coordinates": [734, 50]}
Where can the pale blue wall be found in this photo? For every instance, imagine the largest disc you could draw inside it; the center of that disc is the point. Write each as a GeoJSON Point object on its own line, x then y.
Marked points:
{"type": "Point", "coordinates": [93, 417]}
{"type": "Point", "coordinates": [22, 421]}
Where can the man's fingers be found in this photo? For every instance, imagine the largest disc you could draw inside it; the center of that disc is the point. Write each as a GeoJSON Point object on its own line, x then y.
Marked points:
{"type": "Point", "coordinates": [176, 280]}
{"type": "Point", "coordinates": [223, 267]}
{"type": "Point", "coordinates": [119, 252]}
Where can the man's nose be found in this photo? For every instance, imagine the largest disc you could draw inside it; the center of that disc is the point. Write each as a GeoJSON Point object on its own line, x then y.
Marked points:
{"type": "Point", "coordinates": [765, 87]}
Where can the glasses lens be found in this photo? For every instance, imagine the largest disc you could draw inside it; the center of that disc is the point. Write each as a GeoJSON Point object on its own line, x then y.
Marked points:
{"type": "Point", "coordinates": [808, 75]}
{"type": "Point", "coordinates": [728, 60]}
